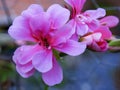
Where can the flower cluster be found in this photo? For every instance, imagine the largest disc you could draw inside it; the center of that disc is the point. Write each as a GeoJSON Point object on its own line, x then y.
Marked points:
{"type": "Point", "coordinates": [57, 30]}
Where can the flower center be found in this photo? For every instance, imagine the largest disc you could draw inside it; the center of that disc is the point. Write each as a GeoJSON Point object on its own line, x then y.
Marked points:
{"type": "Point", "coordinates": [42, 39]}
{"type": "Point", "coordinates": [44, 42]}
{"type": "Point", "coordinates": [81, 18]}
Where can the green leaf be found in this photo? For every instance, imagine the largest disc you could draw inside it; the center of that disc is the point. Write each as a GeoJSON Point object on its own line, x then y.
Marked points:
{"type": "Point", "coordinates": [115, 43]}
{"type": "Point", "coordinates": [6, 70]}
{"type": "Point", "coordinates": [56, 54]}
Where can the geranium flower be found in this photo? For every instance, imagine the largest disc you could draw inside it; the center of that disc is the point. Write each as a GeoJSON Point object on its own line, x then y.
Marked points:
{"type": "Point", "coordinates": [97, 40]}
{"type": "Point", "coordinates": [47, 31]}
{"type": "Point", "coordinates": [84, 22]}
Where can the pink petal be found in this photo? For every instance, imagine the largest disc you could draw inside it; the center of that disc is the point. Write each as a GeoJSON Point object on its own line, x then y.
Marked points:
{"type": "Point", "coordinates": [94, 46]}
{"type": "Point", "coordinates": [25, 68]}
{"type": "Point", "coordinates": [100, 46]}
{"type": "Point", "coordinates": [20, 29]}
{"type": "Point", "coordinates": [76, 4]}
{"type": "Point", "coordinates": [82, 29]}
{"type": "Point", "coordinates": [71, 47]}
{"type": "Point", "coordinates": [72, 24]}
{"type": "Point", "coordinates": [27, 74]}
{"type": "Point", "coordinates": [40, 24]}
{"type": "Point", "coordinates": [75, 37]}
{"type": "Point", "coordinates": [97, 36]}
{"type": "Point", "coordinates": [93, 25]}
{"type": "Point", "coordinates": [54, 76]}
{"type": "Point", "coordinates": [42, 61]}
{"type": "Point", "coordinates": [88, 39]}
{"type": "Point", "coordinates": [32, 10]}
{"type": "Point", "coordinates": [109, 21]}
{"type": "Point", "coordinates": [106, 33]}
{"type": "Point", "coordinates": [94, 14]}
{"type": "Point", "coordinates": [91, 38]}
{"type": "Point", "coordinates": [24, 54]}
{"type": "Point", "coordinates": [61, 35]}
{"type": "Point", "coordinates": [59, 16]}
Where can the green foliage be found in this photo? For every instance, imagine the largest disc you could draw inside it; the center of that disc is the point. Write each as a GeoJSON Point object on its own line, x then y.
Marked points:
{"type": "Point", "coordinates": [6, 70]}
{"type": "Point", "coordinates": [115, 43]}
{"type": "Point", "coordinates": [56, 54]}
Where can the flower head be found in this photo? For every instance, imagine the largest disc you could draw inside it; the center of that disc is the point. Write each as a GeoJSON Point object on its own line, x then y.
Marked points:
{"type": "Point", "coordinates": [88, 21]}
{"type": "Point", "coordinates": [97, 40]}
{"type": "Point", "coordinates": [47, 31]}
{"type": "Point", "coordinates": [91, 26]}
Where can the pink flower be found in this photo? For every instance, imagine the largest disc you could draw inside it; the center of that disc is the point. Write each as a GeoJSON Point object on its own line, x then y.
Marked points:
{"type": "Point", "coordinates": [97, 40]}
{"type": "Point", "coordinates": [87, 21]}
{"type": "Point", "coordinates": [47, 31]}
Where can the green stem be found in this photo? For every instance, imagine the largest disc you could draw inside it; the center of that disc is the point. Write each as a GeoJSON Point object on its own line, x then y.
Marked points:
{"type": "Point", "coordinates": [46, 87]}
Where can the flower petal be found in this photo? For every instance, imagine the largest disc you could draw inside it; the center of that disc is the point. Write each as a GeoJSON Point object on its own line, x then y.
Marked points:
{"type": "Point", "coordinates": [72, 48]}
{"type": "Point", "coordinates": [94, 14]}
{"type": "Point", "coordinates": [106, 33]}
{"type": "Point", "coordinates": [27, 74]}
{"type": "Point", "coordinates": [24, 54]}
{"type": "Point", "coordinates": [63, 34]}
{"type": "Point", "coordinates": [40, 24]}
{"type": "Point", "coordinates": [93, 25]}
{"type": "Point", "coordinates": [91, 38]}
{"type": "Point", "coordinates": [25, 68]}
{"type": "Point", "coordinates": [42, 61]}
{"type": "Point", "coordinates": [100, 46]}
{"type": "Point", "coordinates": [32, 10]}
{"type": "Point", "coordinates": [109, 21]}
{"type": "Point", "coordinates": [54, 76]}
{"type": "Point", "coordinates": [76, 4]}
{"type": "Point", "coordinates": [20, 29]}
{"type": "Point", "coordinates": [59, 16]}
{"type": "Point", "coordinates": [82, 29]}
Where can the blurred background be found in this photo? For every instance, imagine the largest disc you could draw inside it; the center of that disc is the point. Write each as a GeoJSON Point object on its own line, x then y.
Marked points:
{"type": "Point", "coordinates": [89, 71]}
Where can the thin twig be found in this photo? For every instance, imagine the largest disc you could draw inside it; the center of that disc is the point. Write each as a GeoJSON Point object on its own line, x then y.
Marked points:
{"type": "Point", "coordinates": [95, 3]}
{"type": "Point", "coordinates": [112, 8]}
{"type": "Point", "coordinates": [7, 12]}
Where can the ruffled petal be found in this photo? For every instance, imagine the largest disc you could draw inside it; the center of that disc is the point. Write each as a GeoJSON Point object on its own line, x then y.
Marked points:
{"type": "Point", "coordinates": [27, 74]}
{"type": "Point", "coordinates": [106, 33]}
{"type": "Point", "coordinates": [72, 48]}
{"type": "Point", "coordinates": [42, 61]}
{"type": "Point", "coordinates": [109, 21]}
{"type": "Point", "coordinates": [20, 29]}
{"type": "Point", "coordinates": [94, 14]}
{"type": "Point", "coordinates": [61, 35]}
{"type": "Point", "coordinates": [82, 29]}
{"type": "Point", "coordinates": [59, 16]}
{"type": "Point", "coordinates": [100, 46]}
{"type": "Point", "coordinates": [40, 24]}
{"type": "Point", "coordinates": [54, 76]}
{"type": "Point", "coordinates": [92, 37]}
{"type": "Point", "coordinates": [24, 54]}
{"type": "Point", "coordinates": [32, 10]}
{"type": "Point", "coordinates": [25, 68]}
{"type": "Point", "coordinates": [93, 25]}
